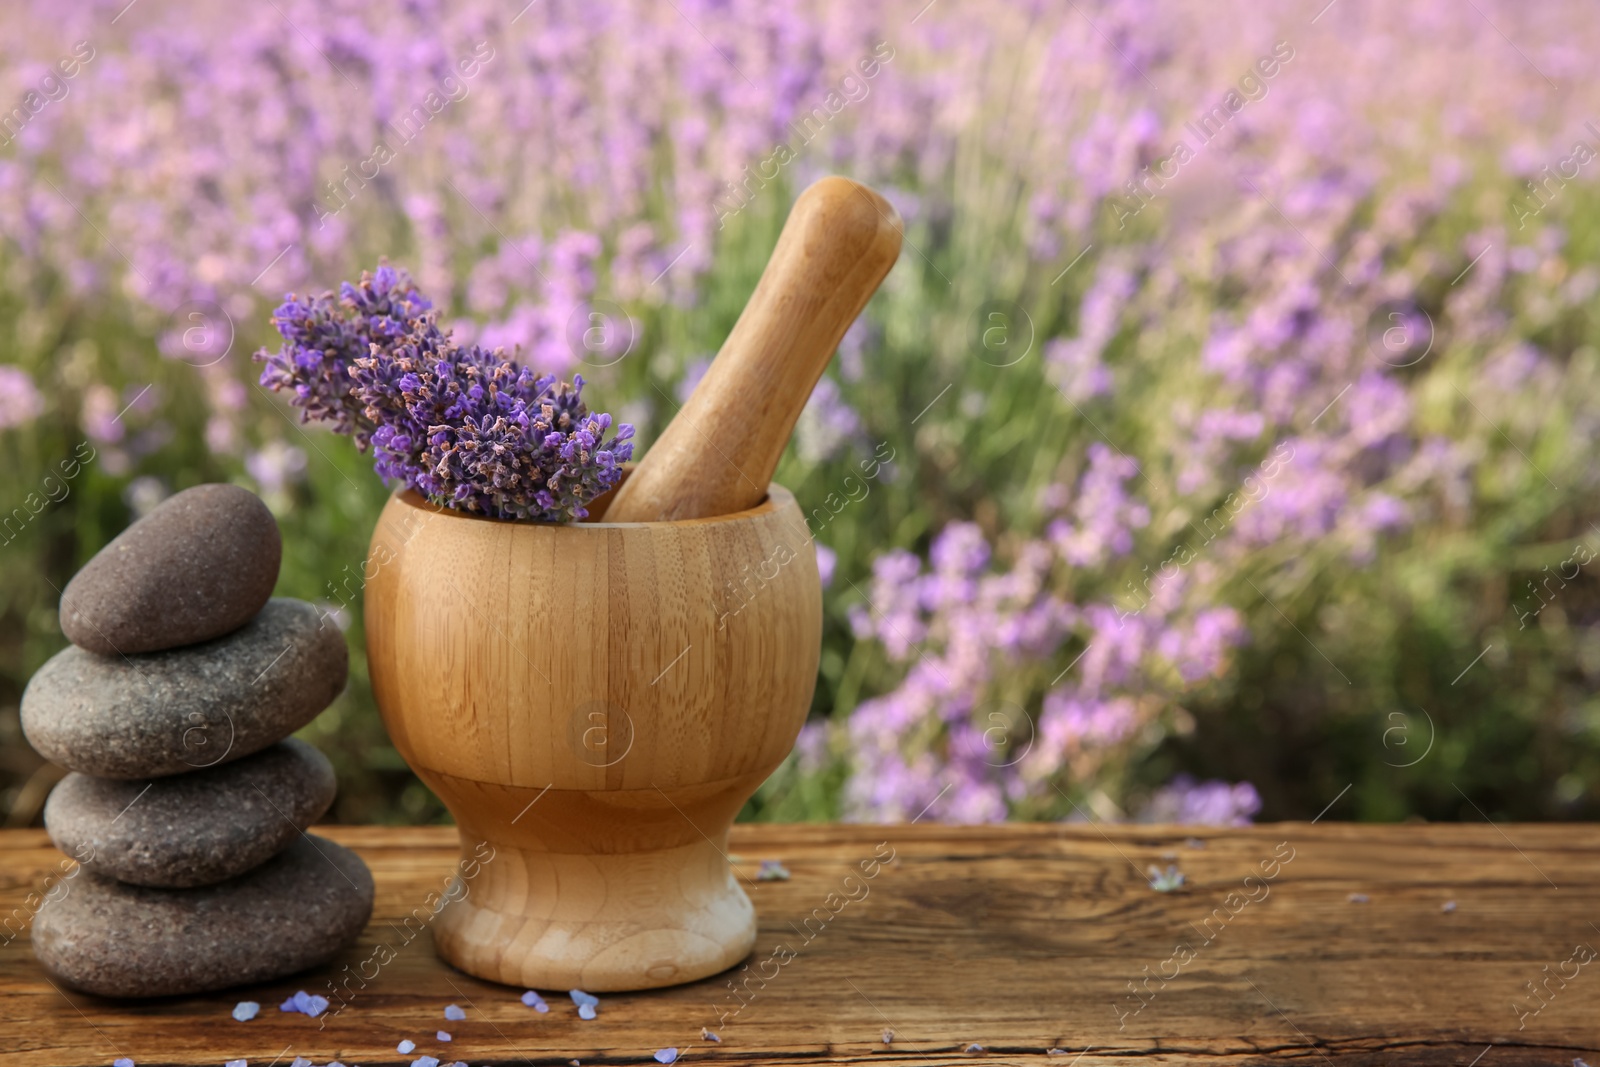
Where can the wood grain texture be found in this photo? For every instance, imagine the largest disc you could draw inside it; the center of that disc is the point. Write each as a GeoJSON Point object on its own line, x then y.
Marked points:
{"type": "Point", "coordinates": [1019, 938]}
{"type": "Point", "coordinates": [718, 453]}
{"type": "Point", "coordinates": [595, 702]}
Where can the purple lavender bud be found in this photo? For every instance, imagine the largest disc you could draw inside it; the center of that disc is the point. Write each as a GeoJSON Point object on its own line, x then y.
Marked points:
{"type": "Point", "coordinates": [466, 427]}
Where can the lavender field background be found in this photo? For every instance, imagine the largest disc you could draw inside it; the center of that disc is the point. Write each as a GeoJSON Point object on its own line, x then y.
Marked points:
{"type": "Point", "coordinates": [1220, 448]}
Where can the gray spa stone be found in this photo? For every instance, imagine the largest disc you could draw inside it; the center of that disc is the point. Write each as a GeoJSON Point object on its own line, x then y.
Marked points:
{"type": "Point", "coordinates": [198, 566]}
{"type": "Point", "coordinates": [192, 829]}
{"type": "Point", "coordinates": [295, 911]}
{"type": "Point", "coordinates": [164, 713]}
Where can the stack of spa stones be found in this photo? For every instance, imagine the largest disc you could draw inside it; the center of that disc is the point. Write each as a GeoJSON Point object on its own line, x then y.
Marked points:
{"type": "Point", "coordinates": [188, 801]}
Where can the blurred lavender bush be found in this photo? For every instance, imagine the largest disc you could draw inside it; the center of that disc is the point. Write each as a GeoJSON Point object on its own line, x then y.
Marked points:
{"type": "Point", "coordinates": [1228, 414]}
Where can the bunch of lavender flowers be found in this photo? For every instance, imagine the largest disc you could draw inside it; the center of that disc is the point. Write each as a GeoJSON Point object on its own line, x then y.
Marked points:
{"type": "Point", "coordinates": [479, 432]}
{"type": "Point", "coordinates": [465, 427]}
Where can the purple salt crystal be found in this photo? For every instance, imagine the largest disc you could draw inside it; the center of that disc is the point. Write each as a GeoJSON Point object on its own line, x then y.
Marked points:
{"type": "Point", "coordinates": [405, 1046]}
{"type": "Point", "coordinates": [246, 1010]}
{"type": "Point", "coordinates": [666, 1055]}
{"type": "Point", "coordinates": [586, 1011]}
{"type": "Point", "coordinates": [122, 1061]}
{"type": "Point", "coordinates": [454, 1013]}
{"type": "Point", "coordinates": [440, 1035]}
{"type": "Point", "coordinates": [535, 1001]}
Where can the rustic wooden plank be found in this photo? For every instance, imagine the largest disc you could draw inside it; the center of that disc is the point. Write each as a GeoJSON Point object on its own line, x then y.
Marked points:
{"type": "Point", "coordinates": [1018, 938]}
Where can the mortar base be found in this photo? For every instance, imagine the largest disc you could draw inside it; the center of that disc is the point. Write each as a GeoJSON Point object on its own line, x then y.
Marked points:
{"type": "Point", "coordinates": [599, 922]}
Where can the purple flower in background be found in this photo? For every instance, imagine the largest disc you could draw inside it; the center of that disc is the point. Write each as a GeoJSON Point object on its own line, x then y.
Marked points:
{"type": "Point", "coordinates": [1105, 513]}
{"type": "Point", "coordinates": [692, 374]}
{"type": "Point", "coordinates": [827, 560]}
{"type": "Point", "coordinates": [20, 402]}
{"type": "Point", "coordinates": [276, 465]}
{"type": "Point", "coordinates": [1210, 803]}
{"type": "Point", "coordinates": [826, 425]}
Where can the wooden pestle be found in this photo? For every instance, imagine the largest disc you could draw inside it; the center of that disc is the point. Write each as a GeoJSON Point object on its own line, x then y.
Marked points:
{"type": "Point", "coordinates": [717, 455]}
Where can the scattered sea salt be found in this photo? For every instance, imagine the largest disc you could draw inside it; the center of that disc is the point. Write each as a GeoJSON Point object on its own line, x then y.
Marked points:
{"type": "Point", "coordinates": [301, 1061]}
{"type": "Point", "coordinates": [305, 1003]}
{"type": "Point", "coordinates": [586, 1003]}
{"type": "Point", "coordinates": [405, 1046]}
{"type": "Point", "coordinates": [1358, 898]}
{"type": "Point", "coordinates": [425, 1061]}
{"type": "Point", "coordinates": [974, 1047]}
{"type": "Point", "coordinates": [707, 1035]}
{"type": "Point", "coordinates": [1447, 907]}
{"type": "Point", "coordinates": [237, 1063]}
{"type": "Point", "coordinates": [442, 1036]}
{"type": "Point", "coordinates": [772, 871]}
{"type": "Point", "coordinates": [122, 1062]}
{"type": "Point", "coordinates": [888, 1036]}
{"type": "Point", "coordinates": [666, 1055]}
{"type": "Point", "coordinates": [1166, 881]}
{"type": "Point", "coordinates": [535, 1001]}
{"type": "Point", "coordinates": [245, 1010]}
{"type": "Point", "coordinates": [453, 1012]}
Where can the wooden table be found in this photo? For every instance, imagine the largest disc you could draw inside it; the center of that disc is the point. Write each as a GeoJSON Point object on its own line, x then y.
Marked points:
{"type": "Point", "coordinates": [1289, 943]}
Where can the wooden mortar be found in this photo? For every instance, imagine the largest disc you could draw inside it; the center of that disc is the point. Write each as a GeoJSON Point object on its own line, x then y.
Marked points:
{"type": "Point", "coordinates": [596, 701]}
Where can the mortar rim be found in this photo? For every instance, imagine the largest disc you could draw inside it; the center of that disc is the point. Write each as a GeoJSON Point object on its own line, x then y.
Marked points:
{"type": "Point", "coordinates": [776, 498]}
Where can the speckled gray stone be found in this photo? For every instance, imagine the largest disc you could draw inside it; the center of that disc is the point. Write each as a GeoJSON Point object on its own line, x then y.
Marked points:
{"type": "Point", "coordinates": [198, 566]}
{"type": "Point", "coordinates": [294, 911]}
{"type": "Point", "coordinates": [192, 829]}
{"type": "Point", "coordinates": [170, 712]}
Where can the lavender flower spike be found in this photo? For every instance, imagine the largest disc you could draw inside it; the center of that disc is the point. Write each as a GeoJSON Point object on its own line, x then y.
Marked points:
{"type": "Point", "coordinates": [466, 427]}
{"type": "Point", "coordinates": [323, 335]}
